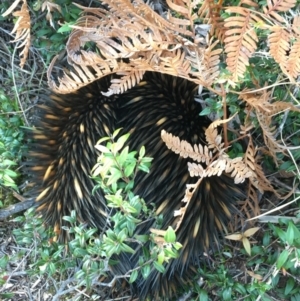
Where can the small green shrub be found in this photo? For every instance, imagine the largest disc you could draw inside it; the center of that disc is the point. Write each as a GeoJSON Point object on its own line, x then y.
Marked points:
{"type": "Point", "coordinates": [89, 253]}
{"type": "Point", "coordinates": [11, 141]}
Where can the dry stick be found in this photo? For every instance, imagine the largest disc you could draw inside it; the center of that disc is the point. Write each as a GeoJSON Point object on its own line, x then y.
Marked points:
{"type": "Point", "coordinates": [10, 210]}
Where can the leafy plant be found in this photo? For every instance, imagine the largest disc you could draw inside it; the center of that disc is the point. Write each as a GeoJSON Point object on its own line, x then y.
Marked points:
{"type": "Point", "coordinates": [11, 141]}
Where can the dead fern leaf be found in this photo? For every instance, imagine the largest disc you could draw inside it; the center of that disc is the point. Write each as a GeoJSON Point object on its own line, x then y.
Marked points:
{"type": "Point", "coordinates": [50, 6]}
{"type": "Point", "coordinates": [279, 41]}
{"type": "Point", "coordinates": [258, 178]}
{"type": "Point", "coordinates": [293, 61]}
{"type": "Point", "coordinates": [21, 29]}
{"type": "Point", "coordinates": [127, 81]}
{"type": "Point", "coordinates": [235, 167]}
{"type": "Point", "coordinates": [211, 60]}
{"type": "Point", "coordinates": [240, 41]}
{"type": "Point", "coordinates": [251, 205]}
{"type": "Point", "coordinates": [189, 192]}
{"type": "Point", "coordinates": [248, 2]}
{"type": "Point", "coordinates": [278, 5]}
{"type": "Point", "coordinates": [259, 101]}
{"type": "Point", "coordinates": [296, 26]}
{"type": "Point", "coordinates": [281, 106]}
{"type": "Point", "coordinates": [238, 170]}
{"type": "Point", "coordinates": [265, 111]}
{"type": "Point", "coordinates": [211, 13]}
{"type": "Point", "coordinates": [148, 42]}
{"type": "Point", "coordinates": [196, 170]}
{"type": "Point", "coordinates": [185, 150]}
{"type": "Point", "coordinates": [211, 134]}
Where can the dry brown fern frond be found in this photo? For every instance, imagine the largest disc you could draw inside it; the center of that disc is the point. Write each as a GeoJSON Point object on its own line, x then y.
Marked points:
{"type": "Point", "coordinates": [216, 161]}
{"type": "Point", "coordinates": [198, 153]}
{"type": "Point", "coordinates": [265, 111]}
{"type": "Point", "coordinates": [293, 61]}
{"type": "Point", "coordinates": [21, 28]}
{"type": "Point", "coordinates": [278, 5]}
{"type": "Point", "coordinates": [211, 13]}
{"type": "Point", "coordinates": [130, 39]}
{"type": "Point", "coordinates": [212, 137]}
{"type": "Point", "coordinates": [250, 206]}
{"type": "Point", "coordinates": [50, 7]}
{"type": "Point", "coordinates": [296, 26]}
{"type": "Point", "coordinates": [128, 80]}
{"type": "Point", "coordinates": [240, 41]}
{"type": "Point", "coordinates": [189, 192]}
{"type": "Point", "coordinates": [279, 41]}
{"type": "Point", "coordinates": [258, 178]}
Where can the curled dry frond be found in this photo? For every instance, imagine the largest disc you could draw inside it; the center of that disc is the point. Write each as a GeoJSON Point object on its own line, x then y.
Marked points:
{"type": "Point", "coordinates": [130, 39]}
{"type": "Point", "coordinates": [212, 137]}
{"type": "Point", "coordinates": [265, 111]}
{"type": "Point", "coordinates": [21, 28]}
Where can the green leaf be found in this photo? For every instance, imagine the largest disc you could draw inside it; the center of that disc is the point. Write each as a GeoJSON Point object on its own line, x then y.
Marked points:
{"type": "Point", "coordinates": [142, 152]}
{"type": "Point", "coordinates": [170, 253]}
{"type": "Point", "coordinates": [8, 179]}
{"type": "Point", "coordinates": [133, 276]}
{"type": "Point", "coordinates": [159, 267]}
{"type": "Point", "coordinates": [65, 27]}
{"type": "Point", "coordinates": [102, 140]}
{"type": "Point", "coordinates": [3, 261]}
{"type": "Point", "coordinates": [116, 175]}
{"type": "Point", "coordinates": [126, 248]}
{"type": "Point", "coordinates": [144, 168]}
{"type": "Point", "coordinates": [7, 295]}
{"type": "Point", "coordinates": [129, 169]}
{"type": "Point", "coordinates": [161, 257]}
{"type": "Point", "coordinates": [290, 234]}
{"type": "Point", "coordinates": [170, 235]}
{"type": "Point", "coordinates": [281, 234]}
{"type": "Point", "coordinates": [102, 148]}
{"type": "Point", "coordinates": [205, 111]}
{"type": "Point", "coordinates": [227, 294]}
{"type": "Point", "coordinates": [11, 173]}
{"type": "Point", "coordinates": [123, 156]}
{"type": "Point", "coordinates": [240, 288]}
{"type": "Point", "coordinates": [289, 286]}
{"type": "Point", "coordinates": [266, 239]}
{"type": "Point", "coordinates": [282, 259]}
{"type": "Point", "coordinates": [116, 132]}
{"type": "Point", "coordinates": [120, 143]}
{"type": "Point", "coordinates": [142, 238]}
{"type": "Point", "coordinates": [203, 296]}
{"type": "Point", "coordinates": [52, 268]}
{"type": "Point", "coordinates": [177, 245]}
{"type": "Point", "coordinates": [146, 271]}
{"type": "Point", "coordinates": [8, 162]}
{"type": "Point", "coordinates": [122, 235]}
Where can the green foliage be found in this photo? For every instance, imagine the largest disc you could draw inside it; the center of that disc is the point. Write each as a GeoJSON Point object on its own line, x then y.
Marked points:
{"type": "Point", "coordinates": [89, 254]}
{"type": "Point", "coordinates": [114, 174]}
{"type": "Point", "coordinates": [51, 40]}
{"type": "Point", "coordinates": [272, 269]}
{"type": "Point", "coordinates": [11, 141]}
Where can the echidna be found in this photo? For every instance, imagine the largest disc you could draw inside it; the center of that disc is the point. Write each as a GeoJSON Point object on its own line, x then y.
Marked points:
{"type": "Point", "coordinates": [63, 155]}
